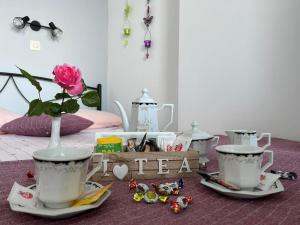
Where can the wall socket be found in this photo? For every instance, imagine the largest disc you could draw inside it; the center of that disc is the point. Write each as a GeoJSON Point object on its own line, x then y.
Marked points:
{"type": "Point", "coordinates": [35, 45]}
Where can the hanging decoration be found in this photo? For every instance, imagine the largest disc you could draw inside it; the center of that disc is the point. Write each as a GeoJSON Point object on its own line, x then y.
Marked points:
{"type": "Point", "coordinates": [127, 25]}
{"type": "Point", "coordinates": [147, 38]}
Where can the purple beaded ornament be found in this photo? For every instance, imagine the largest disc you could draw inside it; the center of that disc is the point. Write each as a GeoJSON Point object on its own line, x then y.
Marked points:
{"type": "Point", "coordinates": [147, 21]}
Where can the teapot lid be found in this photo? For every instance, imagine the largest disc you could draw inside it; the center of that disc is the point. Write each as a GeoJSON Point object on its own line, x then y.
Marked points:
{"type": "Point", "coordinates": [145, 98]}
{"type": "Point", "coordinates": [196, 133]}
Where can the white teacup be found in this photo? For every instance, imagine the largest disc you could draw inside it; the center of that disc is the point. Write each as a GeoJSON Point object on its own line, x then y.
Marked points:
{"type": "Point", "coordinates": [62, 174]}
{"type": "Point", "coordinates": [242, 164]}
{"type": "Point", "coordinates": [247, 137]}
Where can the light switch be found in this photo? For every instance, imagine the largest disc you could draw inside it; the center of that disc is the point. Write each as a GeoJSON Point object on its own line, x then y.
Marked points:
{"type": "Point", "coordinates": [35, 45]}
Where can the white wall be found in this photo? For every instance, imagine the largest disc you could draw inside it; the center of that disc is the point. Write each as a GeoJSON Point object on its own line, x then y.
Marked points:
{"type": "Point", "coordinates": [128, 72]}
{"type": "Point", "coordinates": [239, 65]}
{"type": "Point", "coordinates": [83, 43]}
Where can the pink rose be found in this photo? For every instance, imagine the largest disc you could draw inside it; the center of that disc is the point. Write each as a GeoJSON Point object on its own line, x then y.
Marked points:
{"type": "Point", "coordinates": [69, 78]}
{"type": "Point", "coordinates": [76, 90]}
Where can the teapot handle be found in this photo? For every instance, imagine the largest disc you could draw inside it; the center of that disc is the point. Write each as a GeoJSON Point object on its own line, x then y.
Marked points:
{"type": "Point", "coordinates": [171, 118]}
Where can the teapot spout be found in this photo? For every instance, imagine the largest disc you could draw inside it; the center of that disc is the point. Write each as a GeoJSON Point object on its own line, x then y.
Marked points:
{"type": "Point", "coordinates": [123, 115]}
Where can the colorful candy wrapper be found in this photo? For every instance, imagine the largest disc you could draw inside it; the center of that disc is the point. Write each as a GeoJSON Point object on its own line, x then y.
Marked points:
{"type": "Point", "coordinates": [181, 203]}
{"type": "Point", "coordinates": [163, 199]}
{"type": "Point", "coordinates": [151, 197]}
{"type": "Point", "coordinates": [175, 207]}
{"type": "Point", "coordinates": [180, 183]}
{"type": "Point", "coordinates": [169, 188]}
{"type": "Point", "coordinates": [143, 188]}
{"type": "Point", "coordinates": [162, 192]}
{"type": "Point", "coordinates": [138, 197]}
{"type": "Point", "coordinates": [132, 184]}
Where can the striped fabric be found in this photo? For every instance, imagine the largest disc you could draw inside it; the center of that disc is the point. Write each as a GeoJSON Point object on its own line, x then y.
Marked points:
{"type": "Point", "coordinates": [40, 126]}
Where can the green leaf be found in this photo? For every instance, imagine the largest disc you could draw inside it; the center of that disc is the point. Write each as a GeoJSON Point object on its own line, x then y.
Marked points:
{"type": "Point", "coordinates": [35, 108]}
{"type": "Point", "coordinates": [90, 99]}
{"type": "Point", "coordinates": [33, 81]}
{"type": "Point", "coordinates": [70, 106]}
{"type": "Point", "coordinates": [52, 109]}
{"type": "Point", "coordinates": [62, 95]}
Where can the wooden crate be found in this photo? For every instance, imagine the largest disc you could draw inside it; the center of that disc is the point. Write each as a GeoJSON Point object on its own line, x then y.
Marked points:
{"type": "Point", "coordinates": [150, 168]}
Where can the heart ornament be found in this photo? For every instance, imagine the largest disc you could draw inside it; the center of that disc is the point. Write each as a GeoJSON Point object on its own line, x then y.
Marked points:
{"type": "Point", "coordinates": [120, 172]}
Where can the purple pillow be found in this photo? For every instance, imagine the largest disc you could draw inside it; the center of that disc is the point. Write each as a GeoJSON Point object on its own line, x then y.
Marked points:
{"type": "Point", "coordinates": [40, 126]}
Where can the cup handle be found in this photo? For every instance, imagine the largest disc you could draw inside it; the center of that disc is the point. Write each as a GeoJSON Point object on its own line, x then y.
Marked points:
{"type": "Point", "coordinates": [268, 135]}
{"type": "Point", "coordinates": [215, 141]}
{"type": "Point", "coordinates": [97, 168]}
{"type": "Point", "coordinates": [270, 161]}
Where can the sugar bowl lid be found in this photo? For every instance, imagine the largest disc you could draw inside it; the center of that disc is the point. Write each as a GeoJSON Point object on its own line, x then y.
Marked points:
{"type": "Point", "coordinates": [197, 134]}
{"type": "Point", "coordinates": [145, 98]}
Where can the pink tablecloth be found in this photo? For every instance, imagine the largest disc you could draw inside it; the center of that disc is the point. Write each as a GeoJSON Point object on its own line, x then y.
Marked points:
{"type": "Point", "coordinates": [208, 206]}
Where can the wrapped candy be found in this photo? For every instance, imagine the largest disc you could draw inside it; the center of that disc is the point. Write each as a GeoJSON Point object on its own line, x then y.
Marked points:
{"type": "Point", "coordinates": [163, 199]}
{"type": "Point", "coordinates": [180, 183]}
{"type": "Point", "coordinates": [138, 197]}
{"type": "Point", "coordinates": [181, 202]}
{"type": "Point", "coordinates": [169, 188]}
{"type": "Point", "coordinates": [175, 207]}
{"type": "Point", "coordinates": [151, 197]}
{"type": "Point", "coordinates": [132, 184]}
{"type": "Point", "coordinates": [143, 188]}
{"type": "Point", "coordinates": [161, 194]}
{"type": "Point", "coordinates": [175, 191]}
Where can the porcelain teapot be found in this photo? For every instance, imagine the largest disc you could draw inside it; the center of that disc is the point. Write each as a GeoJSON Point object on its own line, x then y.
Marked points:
{"type": "Point", "coordinates": [144, 114]}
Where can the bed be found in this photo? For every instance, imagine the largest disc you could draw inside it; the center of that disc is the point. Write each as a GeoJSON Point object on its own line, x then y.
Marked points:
{"type": "Point", "coordinates": [16, 147]}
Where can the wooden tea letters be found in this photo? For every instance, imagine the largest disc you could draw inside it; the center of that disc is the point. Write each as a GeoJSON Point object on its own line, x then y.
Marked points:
{"type": "Point", "coordinates": [162, 166]}
{"type": "Point", "coordinates": [148, 165]}
{"type": "Point", "coordinates": [185, 164]}
{"type": "Point", "coordinates": [141, 165]}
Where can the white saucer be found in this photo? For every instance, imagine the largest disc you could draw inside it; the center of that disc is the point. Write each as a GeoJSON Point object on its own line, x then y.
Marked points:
{"type": "Point", "coordinates": [256, 193]}
{"type": "Point", "coordinates": [65, 212]}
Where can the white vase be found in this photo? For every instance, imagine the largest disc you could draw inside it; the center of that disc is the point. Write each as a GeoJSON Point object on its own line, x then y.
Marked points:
{"type": "Point", "coordinates": [55, 133]}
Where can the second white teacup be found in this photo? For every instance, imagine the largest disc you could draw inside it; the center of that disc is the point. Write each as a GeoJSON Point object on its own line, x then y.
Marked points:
{"type": "Point", "coordinates": [61, 174]}
{"type": "Point", "coordinates": [247, 137]}
{"type": "Point", "coordinates": [242, 164]}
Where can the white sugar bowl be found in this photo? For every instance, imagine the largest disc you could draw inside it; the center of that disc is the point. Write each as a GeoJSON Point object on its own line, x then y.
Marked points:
{"type": "Point", "coordinates": [201, 141]}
